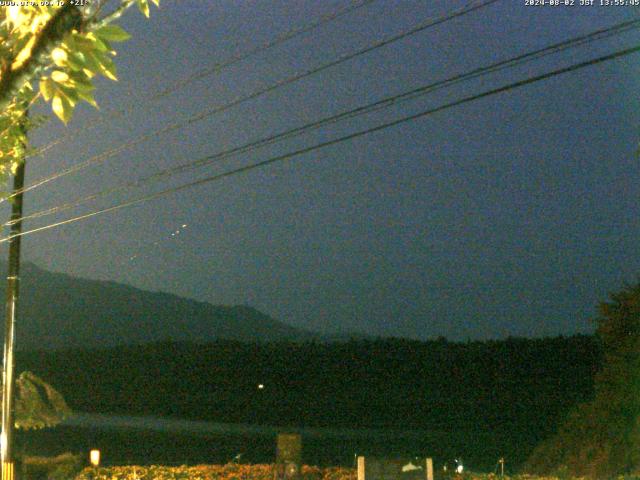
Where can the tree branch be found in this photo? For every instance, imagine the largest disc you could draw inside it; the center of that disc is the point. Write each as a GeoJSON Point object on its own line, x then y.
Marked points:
{"type": "Point", "coordinates": [114, 15]}
{"type": "Point", "coordinates": [65, 20]}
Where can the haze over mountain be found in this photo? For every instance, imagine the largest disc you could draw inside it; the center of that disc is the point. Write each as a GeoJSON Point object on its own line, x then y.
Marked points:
{"type": "Point", "coordinates": [61, 311]}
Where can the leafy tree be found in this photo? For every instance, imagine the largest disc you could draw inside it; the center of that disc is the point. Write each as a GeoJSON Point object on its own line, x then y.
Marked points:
{"type": "Point", "coordinates": [602, 438]}
{"type": "Point", "coordinates": [53, 50]}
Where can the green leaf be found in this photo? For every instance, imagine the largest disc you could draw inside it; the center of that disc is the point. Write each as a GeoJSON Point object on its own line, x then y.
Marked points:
{"type": "Point", "coordinates": [62, 108]}
{"type": "Point", "coordinates": [46, 88]}
{"type": "Point", "coordinates": [107, 67]}
{"type": "Point", "coordinates": [59, 77]}
{"type": "Point", "coordinates": [83, 43]}
{"type": "Point", "coordinates": [143, 6]}
{"type": "Point", "coordinates": [101, 45]}
{"type": "Point", "coordinates": [59, 56]}
{"type": "Point", "coordinates": [92, 64]}
{"type": "Point", "coordinates": [76, 61]}
{"type": "Point", "coordinates": [156, 3]}
{"type": "Point", "coordinates": [69, 42]}
{"type": "Point", "coordinates": [88, 97]}
{"type": "Point", "coordinates": [112, 33]}
{"type": "Point", "coordinates": [70, 94]}
{"type": "Point", "coordinates": [81, 82]}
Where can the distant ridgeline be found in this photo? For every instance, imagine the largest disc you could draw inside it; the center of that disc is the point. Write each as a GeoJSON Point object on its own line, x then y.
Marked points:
{"type": "Point", "coordinates": [58, 311]}
{"type": "Point", "coordinates": [521, 388]}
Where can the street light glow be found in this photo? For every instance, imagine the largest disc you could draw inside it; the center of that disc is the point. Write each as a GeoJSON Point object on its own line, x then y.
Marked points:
{"type": "Point", "coordinates": [94, 457]}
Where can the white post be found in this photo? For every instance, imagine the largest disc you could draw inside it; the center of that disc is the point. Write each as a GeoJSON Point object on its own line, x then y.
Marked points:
{"type": "Point", "coordinates": [361, 468]}
{"type": "Point", "coordinates": [429, 469]}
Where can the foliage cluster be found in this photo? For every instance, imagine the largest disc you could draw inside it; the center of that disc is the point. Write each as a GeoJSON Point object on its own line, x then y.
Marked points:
{"type": "Point", "coordinates": [601, 438]}
{"type": "Point", "coordinates": [62, 45]}
{"type": "Point", "coordinates": [61, 467]}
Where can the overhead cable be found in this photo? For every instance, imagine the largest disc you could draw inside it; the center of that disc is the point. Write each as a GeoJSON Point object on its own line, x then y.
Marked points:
{"type": "Point", "coordinates": [335, 141]}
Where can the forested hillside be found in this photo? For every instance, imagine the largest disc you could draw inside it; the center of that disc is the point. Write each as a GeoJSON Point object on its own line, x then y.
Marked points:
{"type": "Point", "coordinates": [516, 383]}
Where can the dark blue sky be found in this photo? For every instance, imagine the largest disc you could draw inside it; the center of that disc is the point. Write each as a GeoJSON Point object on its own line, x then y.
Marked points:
{"type": "Point", "coordinates": [512, 215]}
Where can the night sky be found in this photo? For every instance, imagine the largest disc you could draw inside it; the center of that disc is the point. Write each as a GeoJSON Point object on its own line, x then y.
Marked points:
{"type": "Point", "coordinates": [512, 215]}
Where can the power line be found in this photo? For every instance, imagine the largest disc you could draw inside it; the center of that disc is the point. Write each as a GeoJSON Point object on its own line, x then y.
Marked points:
{"type": "Point", "coordinates": [371, 107]}
{"type": "Point", "coordinates": [473, 6]}
{"type": "Point", "coordinates": [205, 72]}
{"type": "Point", "coordinates": [335, 141]}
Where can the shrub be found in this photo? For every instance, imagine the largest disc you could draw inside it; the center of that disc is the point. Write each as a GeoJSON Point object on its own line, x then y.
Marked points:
{"type": "Point", "coordinates": [62, 467]}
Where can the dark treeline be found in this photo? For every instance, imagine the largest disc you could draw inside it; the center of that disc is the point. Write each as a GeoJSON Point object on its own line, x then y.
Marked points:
{"type": "Point", "coordinates": [517, 384]}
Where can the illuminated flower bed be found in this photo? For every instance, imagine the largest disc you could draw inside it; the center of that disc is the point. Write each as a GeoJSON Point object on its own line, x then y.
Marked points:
{"type": "Point", "coordinates": [209, 472]}
{"type": "Point", "coordinates": [259, 472]}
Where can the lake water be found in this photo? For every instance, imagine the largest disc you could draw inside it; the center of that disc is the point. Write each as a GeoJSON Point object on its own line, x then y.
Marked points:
{"type": "Point", "coordinates": [152, 440]}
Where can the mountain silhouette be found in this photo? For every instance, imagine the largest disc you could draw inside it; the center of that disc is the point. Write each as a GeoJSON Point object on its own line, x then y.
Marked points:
{"type": "Point", "coordinates": [61, 311]}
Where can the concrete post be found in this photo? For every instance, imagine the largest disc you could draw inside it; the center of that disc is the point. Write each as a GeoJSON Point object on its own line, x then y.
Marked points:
{"type": "Point", "coordinates": [361, 468]}
{"type": "Point", "coordinates": [428, 469]}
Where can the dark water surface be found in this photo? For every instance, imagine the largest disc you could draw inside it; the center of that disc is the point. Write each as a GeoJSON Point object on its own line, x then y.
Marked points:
{"type": "Point", "coordinates": [147, 440]}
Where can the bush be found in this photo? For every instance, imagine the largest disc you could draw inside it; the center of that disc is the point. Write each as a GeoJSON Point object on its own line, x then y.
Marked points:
{"type": "Point", "coordinates": [62, 467]}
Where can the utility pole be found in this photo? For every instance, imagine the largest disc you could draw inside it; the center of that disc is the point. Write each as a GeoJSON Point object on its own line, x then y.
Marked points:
{"type": "Point", "coordinates": [13, 288]}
